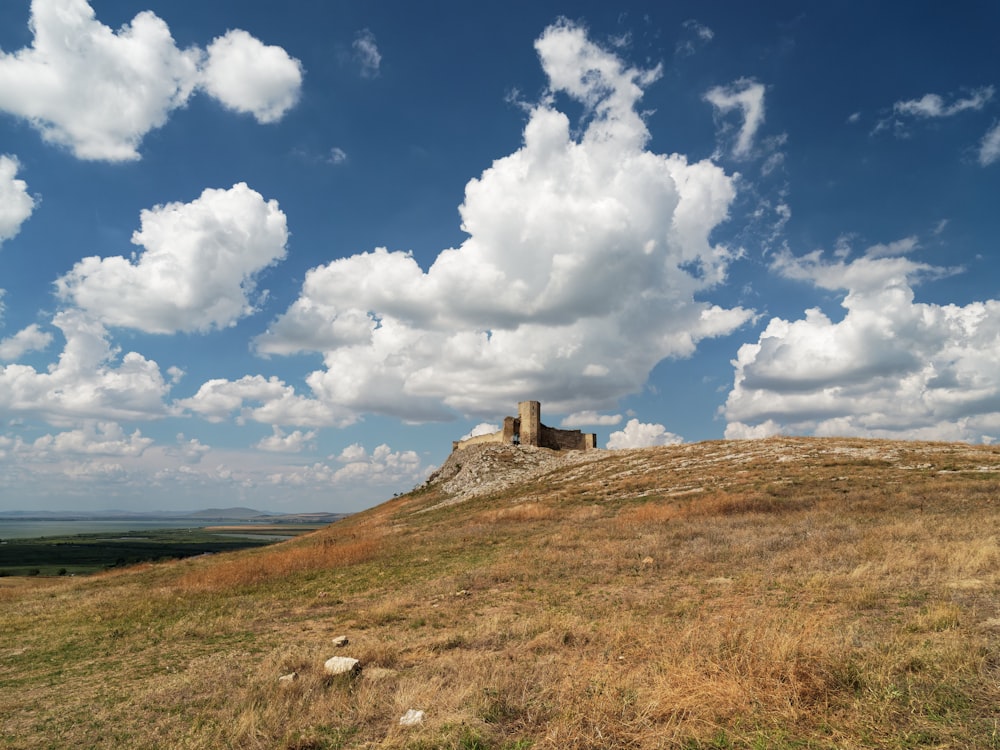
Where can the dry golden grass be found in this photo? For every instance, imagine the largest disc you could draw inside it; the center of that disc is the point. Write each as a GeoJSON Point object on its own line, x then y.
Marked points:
{"type": "Point", "coordinates": [277, 564]}
{"type": "Point", "coordinates": [780, 593]}
{"type": "Point", "coordinates": [524, 512]}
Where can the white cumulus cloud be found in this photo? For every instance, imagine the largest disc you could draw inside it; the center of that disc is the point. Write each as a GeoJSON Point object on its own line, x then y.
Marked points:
{"type": "Point", "coordinates": [197, 270]}
{"type": "Point", "coordinates": [94, 438]}
{"type": "Point", "coordinates": [26, 340]}
{"type": "Point", "coordinates": [251, 77]}
{"type": "Point", "coordinates": [264, 400]}
{"type": "Point", "coordinates": [293, 442]}
{"type": "Point", "coordinates": [89, 381]}
{"type": "Point", "coordinates": [383, 467]}
{"type": "Point", "coordinates": [16, 204]}
{"type": "Point", "coordinates": [579, 274]}
{"type": "Point", "coordinates": [590, 417]}
{"type": "Point", "coordinates": [98, 458]}
{"type": "Point", "coordinates": [98, 91]}
{"type": "Point", "coordinates": [638, 434]}
{"type": "Point", "coordinates": [188, 450]}
{"type": "Point", "coordinates": [891, 367]}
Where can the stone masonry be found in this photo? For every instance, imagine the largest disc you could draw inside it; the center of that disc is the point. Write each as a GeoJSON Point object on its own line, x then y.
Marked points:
{"type": "Point", "coordinates": [527, 429]}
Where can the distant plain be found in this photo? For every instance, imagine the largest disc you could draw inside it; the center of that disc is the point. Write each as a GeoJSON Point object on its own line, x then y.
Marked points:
{"type": "Point", "coordinates": [63, 546]}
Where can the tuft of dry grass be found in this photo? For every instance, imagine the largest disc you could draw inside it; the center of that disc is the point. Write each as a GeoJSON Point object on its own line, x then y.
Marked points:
{"type": "Point", "coordinates": [278, 564]}
{"type": "Point", "coordinates": [521, 513]}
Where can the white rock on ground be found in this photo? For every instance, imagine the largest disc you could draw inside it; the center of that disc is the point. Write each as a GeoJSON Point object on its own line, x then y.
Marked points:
{"type": "Point", "coordinates": [411, 718]}
{"type": "Point", "coordinates": [341, 665]}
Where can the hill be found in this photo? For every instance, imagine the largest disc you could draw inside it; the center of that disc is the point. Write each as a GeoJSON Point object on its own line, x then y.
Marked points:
{"type": "Point", "coordinates": [784, 593]}
{"type": "Point", "coordinates": [227, 514]}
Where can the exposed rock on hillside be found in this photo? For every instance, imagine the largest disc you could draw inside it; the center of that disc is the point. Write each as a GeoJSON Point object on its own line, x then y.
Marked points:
{"type": "Point", "coordinates": [483, 469]}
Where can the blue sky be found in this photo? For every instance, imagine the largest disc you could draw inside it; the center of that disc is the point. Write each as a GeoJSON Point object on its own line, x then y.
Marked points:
{"type": "Point", "coordinates": [283, 256]}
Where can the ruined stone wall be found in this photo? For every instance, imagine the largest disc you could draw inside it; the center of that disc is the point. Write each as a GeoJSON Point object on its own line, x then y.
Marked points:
{"type": "Point", "coordinates": [567, 440]}
{"type": "Point", "coordinates": [492, 437]}
{"type": "Point", "coordinates": [511, 429]}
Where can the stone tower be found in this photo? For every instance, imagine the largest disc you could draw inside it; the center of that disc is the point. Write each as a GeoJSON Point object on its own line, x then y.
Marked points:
{"type": "Point", "coordinates": [527, 429]}
{"type": "Point", "coordinates": [530, 415]}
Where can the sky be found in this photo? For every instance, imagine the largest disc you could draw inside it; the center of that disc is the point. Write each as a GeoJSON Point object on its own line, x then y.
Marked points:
{"type": "Point", "coordinates": [282, 254]}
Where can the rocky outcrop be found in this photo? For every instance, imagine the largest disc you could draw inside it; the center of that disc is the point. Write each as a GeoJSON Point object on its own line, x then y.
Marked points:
{"type": "Point", "coordinates": [482, 469]}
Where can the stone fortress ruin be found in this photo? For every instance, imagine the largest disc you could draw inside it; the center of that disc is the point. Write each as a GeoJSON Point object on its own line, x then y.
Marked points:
{"type": "Point", "coordinates": [527, 429]}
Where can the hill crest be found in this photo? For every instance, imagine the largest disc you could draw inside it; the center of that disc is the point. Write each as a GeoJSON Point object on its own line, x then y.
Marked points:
{"type": "Point", "coordinates": [482, 470]}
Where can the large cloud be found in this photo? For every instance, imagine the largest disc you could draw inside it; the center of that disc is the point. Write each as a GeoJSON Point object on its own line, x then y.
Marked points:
{"type": "Point", "coordinates": [892, 367]}
{"type": "Point", "coordinates": [89, 381]}
{"type": "Point", "coordinates": [198, 269]}
{"type": "Point", "coordinates": [584, 258]}
{"type": "Point", "coordinates": [16, 204]}
{"type": "Point", "coordinates": [99, 91]}
{"type": "Point", "coordinates": [279, 442]}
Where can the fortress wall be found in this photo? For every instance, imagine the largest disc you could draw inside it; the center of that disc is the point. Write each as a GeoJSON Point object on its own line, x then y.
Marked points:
{"type": "Point", "coordinates": [492, 437]}
{"type": "Point", "coordinates": [567, 440]}
{"type": "Point", "coordinates": [511, 427]}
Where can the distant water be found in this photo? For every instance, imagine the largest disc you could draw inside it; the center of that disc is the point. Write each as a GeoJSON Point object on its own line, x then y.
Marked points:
{"type": "Point", "coordinates": [32, 529]}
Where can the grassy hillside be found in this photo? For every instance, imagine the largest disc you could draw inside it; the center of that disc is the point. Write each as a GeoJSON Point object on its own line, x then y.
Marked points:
{"type": "Point", "coordinates": [765, 594]}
